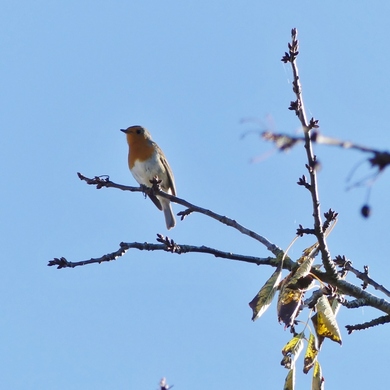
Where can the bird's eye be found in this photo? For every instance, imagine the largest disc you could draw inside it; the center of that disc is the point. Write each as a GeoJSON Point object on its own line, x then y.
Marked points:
{"type": "Point", "coordinates": [139, 131]}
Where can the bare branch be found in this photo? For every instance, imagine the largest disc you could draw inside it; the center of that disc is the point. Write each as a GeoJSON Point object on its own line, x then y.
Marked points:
{"type": "Point", "coordinates": [299, 108]}
{"type": "Point", "coordinates": [377, 321]}
{"type": "Point", "coordinates": [63, 263]}
{"type": "Point", "coordinates": [168, 245]}
{"type": "Point", "coordinates": [347, 265]}
{"type": "Point", "coordinates": [380, 159]}
{"type": "Point", "coordinates": [104, 181]}
{"type": "Point", "coordinates": [343, 286]}
{"type": "Point", "coordinates": [190, 208]}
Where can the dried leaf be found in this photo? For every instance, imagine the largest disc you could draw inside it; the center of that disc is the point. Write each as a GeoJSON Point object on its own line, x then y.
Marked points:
{"type": "Point", "coordinates": [301, 278]}
{"type": "Point", "coordinates": [294, 345]}
{"type": "Point", "coordinates": [286, 362]}
{"type": "Point", "coordinates": [326, 324]}
{"type": "Point", "coordinates": [292, 350]}
{"type": "Point", "coordinates": [294, 287]}
{"type": "Point", "coordinates": [310, 354]}
{"type": "Point", "coordinates": [311, 251]}
{"type": "Point", "coordinates": [289, 383]}
{"type": "Point", "coordinates": [261, 302]}
{"type": "Point", "coordinates": [318, 380]}
{"type": "Point", "coordinates": [305, 266]}
{"type": "Point", "coordinates": [289, 301]}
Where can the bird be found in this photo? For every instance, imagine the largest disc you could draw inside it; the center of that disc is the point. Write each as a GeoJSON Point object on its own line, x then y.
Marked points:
{"type": "Point", "coordinates": [147, 162]}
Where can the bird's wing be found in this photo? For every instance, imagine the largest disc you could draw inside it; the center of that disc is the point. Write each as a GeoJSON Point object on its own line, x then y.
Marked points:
{"type": "Point", "coordinates": [155, 201]}
{"type": "Point", "coordinates": [171, 180]}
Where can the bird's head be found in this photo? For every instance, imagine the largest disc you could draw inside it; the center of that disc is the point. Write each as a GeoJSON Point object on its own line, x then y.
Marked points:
{"type": "Point", "coordinates": [134, 133]}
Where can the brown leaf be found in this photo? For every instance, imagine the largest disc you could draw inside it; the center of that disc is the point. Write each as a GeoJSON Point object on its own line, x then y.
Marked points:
{"type": "Point", "coordinates": [289, 301]}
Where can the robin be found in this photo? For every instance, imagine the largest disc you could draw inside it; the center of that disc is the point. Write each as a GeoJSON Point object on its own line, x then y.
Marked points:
{"type": "Point", "coordinates": [146, 162]}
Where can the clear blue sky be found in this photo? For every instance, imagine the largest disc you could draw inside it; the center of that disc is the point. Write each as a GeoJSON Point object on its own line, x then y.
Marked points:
{"type": "Point", "coordinates": [72, 74]}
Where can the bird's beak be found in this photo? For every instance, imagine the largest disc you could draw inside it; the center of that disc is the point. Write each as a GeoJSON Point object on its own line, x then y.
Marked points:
{"type": "Point", "coordinates": [125, 131]}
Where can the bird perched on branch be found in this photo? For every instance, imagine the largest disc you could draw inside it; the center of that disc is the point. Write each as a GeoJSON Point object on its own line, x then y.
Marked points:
{"type": "Point", "coordinates": [147, 162]}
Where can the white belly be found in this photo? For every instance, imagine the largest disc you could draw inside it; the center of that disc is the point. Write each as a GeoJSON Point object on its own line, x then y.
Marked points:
{"type": "Point", "coordinates": [145, 171]}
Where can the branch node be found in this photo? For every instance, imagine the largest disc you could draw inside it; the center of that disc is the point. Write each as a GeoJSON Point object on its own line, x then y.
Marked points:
{"type": "Point", "coordinates": [185, 213]}
{"type": "Point", "coordinates": [60, 263]}
{"type": "Point", "coordinates": [330, 216]}
{"type": "Point", "coordinates": [99, 181]}
{"type": "Point", "coordinates": [170, 245]}
{"type": "Point", "coordinates": [301, 231]}
{"type": "Point", "coordinates": [313, 124]}
{"type": "Point", "coordinates": [156, 184]}
{"type": "Point", "coordinates": [294, 106]}
{"type": "Point", "coordinates": [309, 168]}
{"type": "Point", "coordinates": [380, 160]}
{"type": "Point", "coordinates": [344, 264]}
{"type": "Point", "coordinates": [303, 182]}
{"type": "Point", "coordinates": [365, 284]}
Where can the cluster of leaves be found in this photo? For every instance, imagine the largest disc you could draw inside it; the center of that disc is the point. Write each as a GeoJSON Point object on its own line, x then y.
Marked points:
{"type": "Point", "coordinates": [323, 302]}
{"type": "Point", "coordinates": [326, 300]}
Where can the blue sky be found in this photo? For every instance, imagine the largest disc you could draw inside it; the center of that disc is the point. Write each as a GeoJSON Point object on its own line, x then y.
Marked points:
{"type": "Point", "coordinates": [72, 74]}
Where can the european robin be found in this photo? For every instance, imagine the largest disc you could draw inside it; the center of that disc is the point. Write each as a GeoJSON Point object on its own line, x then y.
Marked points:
{"type": "Point", "coordinates": [146, 162]}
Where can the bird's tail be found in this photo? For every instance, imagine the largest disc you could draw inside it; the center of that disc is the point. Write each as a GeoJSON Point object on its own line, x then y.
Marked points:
{"type": "Point", "coordinates": [168, 214]}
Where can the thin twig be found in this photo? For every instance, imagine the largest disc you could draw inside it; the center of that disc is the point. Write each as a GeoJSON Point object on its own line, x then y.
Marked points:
{"type": "Point", "coordinates": [285, 141]}
{"type": "Point", "coordinates": [377, 321]}
{"type": "Point", "coordinates": [179, 249]}
{"type": "Point", "coordinates": [364, 276]}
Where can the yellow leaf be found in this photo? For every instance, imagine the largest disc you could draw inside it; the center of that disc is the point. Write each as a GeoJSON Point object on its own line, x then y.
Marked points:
{"type": "Point", "coordinates": [311, 353]}
{"type": "Point", "coordinates": [318, 380]}
{"type": "Point", "coordinates": [320, 339]}
{"type": "Point", "coordinates": [326, 321]}
{"type": "Point", "coordinates": [261, 302]}
{"type": "Point", "coordinates": [292, 345]}
{"type": "Point", "coordinates": [289, 383]}
{"type": "Point", "coordinates": [292, 350]}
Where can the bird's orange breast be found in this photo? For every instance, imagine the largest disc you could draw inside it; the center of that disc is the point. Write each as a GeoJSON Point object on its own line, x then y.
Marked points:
{"type": "Point", "coordinates": [140, 149]}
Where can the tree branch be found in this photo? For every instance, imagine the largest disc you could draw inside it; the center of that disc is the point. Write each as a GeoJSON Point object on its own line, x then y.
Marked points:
{"type": "Point", "coordinates": [355, 303]}
{"type": "Point", "coordinates": [299, 108]}
{"type": "Point", "coordinates": [350, 289]}
{"type": "Point", "coordinates": [379, 159]}
{"type": "Point", "coordinates": [169, 246]}
{"type": "Point", "coordinates": [190, 208]}
{"type": "Point", "coordinates": [377, 321]}
{"type": "Point", "coordinates": [347, 265]}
